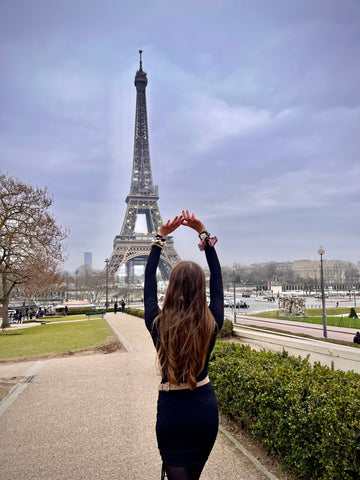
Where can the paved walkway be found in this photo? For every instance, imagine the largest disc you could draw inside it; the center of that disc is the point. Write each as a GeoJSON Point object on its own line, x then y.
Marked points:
{"type": "Point", "coordinates": [93, 417]}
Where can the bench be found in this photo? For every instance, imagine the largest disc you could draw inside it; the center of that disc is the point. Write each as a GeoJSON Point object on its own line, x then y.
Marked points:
{"type": "Point", "coordinates": [96, 314]}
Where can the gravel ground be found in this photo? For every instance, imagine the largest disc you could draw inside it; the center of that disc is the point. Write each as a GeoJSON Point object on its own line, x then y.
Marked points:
{"type": "Point", "coordinates": [93, 417]}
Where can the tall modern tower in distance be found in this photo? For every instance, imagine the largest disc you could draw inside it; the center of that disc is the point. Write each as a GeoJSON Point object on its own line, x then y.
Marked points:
{"type": "Point", "coordinates": [132, 247]}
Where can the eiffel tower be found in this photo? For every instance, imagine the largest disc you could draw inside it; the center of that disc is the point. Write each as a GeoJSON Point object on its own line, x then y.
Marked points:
{"type": "Point", "coordinates": [132, 248]}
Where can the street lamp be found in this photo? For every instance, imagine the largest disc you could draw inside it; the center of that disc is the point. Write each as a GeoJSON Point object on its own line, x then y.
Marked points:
{"type": "Point", "coordinates": [234, 296]}
{"type": "Point", "coordinates": [76, 284]}
{"type": "Point", "coordinates": [354, 289]}
{"type": "Point", "coordinates": [107, 283]}
{"type": "Point", "coordinates": [67, 287]}
{"type": "Point", "coordinates": [321, 252]}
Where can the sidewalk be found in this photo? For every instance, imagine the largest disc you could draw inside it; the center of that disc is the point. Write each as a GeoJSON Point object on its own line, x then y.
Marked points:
{"type": "Point", "coordinates": [93, 417]}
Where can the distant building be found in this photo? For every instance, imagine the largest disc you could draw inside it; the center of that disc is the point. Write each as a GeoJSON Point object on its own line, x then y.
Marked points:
{"type": "Point", "coordinates": [88, 259]}
{"type": "Point", "coordinates": [334, 270]}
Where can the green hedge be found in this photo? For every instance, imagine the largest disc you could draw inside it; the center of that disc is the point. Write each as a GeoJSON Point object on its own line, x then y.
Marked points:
{"type": "Point", "coordinates": [84, 311]}
{"type": "Point", "coordinates": [137, 312]}
{"type": "Point", "coordinates": [308, 415]}
{"type": "Point", "coordinates": [227, 329]}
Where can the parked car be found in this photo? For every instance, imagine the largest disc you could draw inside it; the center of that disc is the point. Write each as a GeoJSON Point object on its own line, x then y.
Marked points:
{"type": "Point", "coordinates": [228, 302]}
{"type": "Point", "coordinates": [241, 304]}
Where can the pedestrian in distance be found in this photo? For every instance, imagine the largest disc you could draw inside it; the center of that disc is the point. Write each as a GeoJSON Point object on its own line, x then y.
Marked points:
{"type": "Point", "coordinates": [184, 334]}
{"type": "Point", "coordinates": [122, 306]}
{"type": "Point", "coordinates": [357, 338]}
{"type": "Point", "coordinates": [115, 307]}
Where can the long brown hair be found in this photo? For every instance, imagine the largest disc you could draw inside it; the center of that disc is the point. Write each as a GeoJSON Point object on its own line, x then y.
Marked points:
{"type": "Point", "coordinates": [185, 325]}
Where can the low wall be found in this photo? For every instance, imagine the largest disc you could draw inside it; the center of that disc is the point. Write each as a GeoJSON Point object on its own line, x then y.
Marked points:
{"type": "Point", "coordinates": [342, 357]}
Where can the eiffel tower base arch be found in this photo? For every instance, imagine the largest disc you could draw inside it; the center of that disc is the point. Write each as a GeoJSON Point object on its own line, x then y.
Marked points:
{"type": "Point", "coordinates": [131, 252]}
{"type": "Point", "coordinates": [164, 268]}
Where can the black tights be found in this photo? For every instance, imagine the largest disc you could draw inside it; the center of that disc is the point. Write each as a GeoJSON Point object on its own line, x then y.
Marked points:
{"type": "Point", "coordinates": [190, 472]}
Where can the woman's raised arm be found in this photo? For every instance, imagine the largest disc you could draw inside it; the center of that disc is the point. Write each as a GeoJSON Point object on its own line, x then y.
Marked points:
{"type": "Point", "coordinates": [150, 287]}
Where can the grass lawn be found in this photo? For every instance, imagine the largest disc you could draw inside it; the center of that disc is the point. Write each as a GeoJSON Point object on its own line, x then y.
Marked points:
{"type": "Point", "coordinates": [3, 392]}
{"type": "Point", "coordinates": [315, 316]}
{"type": "Point", "coordinates": [54, 338]}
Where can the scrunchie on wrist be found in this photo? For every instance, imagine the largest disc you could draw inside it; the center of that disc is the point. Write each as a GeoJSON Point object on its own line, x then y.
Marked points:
{"type": "Point", "coordinates": [205, 239]}
{"type": "Point", "coordinates": [159, 241]}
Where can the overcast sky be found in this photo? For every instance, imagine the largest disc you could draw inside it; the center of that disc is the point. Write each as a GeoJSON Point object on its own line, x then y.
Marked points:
{"type": "Point", "coordinates": [253, 111]}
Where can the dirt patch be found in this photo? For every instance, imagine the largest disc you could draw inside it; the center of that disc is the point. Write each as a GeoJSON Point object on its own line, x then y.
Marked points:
{"type": "Point", "coordinates": [6, 384]}
{"type": "Point", "coordinates": [110, 346]}
{"type": "Point", "coordinates": [3, 392]}
{"type": "Point", "coordinates": [10, 382]}
{"type": "Point", "coordinates": [270, 462]}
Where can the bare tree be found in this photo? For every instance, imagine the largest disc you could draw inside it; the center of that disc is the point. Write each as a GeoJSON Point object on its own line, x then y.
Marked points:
{"type": "Point", "coordinates": [37, 286]}
{"type": "Point", "coordinates": [92, 283]}
{"type": "Point", "coordinates": [97, 285]}
{"type": "Point", "coordinates": [30, 239]}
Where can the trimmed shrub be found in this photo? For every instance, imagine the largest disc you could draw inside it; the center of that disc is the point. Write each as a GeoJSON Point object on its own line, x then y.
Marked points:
{"type": "Point", "coordinates": [308, 415]}
{"type": "Point", "coordinates": [137, 312]}
{"type": "Point", "coordinates": [227, 329]}
{"type": "Point", "coordinates": [353, 313]}
{"type": "Point", "coordinates": [84, 311]}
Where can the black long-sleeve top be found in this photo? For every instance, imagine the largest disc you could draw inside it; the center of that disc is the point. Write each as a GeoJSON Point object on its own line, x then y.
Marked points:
{"type": "Point", "coordinates": [216, 297]}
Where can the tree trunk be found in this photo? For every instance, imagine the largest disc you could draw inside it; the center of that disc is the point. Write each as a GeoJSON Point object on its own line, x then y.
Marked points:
{"type": "Point", "coordinates": [5, 302]}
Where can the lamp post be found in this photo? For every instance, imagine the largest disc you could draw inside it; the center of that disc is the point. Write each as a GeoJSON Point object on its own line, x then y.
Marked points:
{"type": "Point", "coordinates": [321, 252]}
{"type": "Point", "coordinates": [234, 296]}
{"type": "Point", "coordinates": [107, 283]}
{"type": "Point", "coordinates": [76, 284]}
{"type": "Point", "coordinates": [354, 288]}
{"type": "Point", "coordinates": [67, 287]}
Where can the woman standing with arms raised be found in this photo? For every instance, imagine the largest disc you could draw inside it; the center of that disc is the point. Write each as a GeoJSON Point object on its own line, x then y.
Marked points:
{"type": "Point", "coordinates": [184, 334]}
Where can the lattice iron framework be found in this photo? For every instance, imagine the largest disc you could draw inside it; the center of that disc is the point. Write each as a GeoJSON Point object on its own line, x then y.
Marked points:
{"type": "Point", "coordinates": [131, 247]}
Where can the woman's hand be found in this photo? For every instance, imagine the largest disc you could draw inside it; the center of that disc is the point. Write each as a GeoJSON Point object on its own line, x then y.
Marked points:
{"type": "Point", "coordinates": [192, 222]}
{"type": "Point", "coordinates": [170, 226]}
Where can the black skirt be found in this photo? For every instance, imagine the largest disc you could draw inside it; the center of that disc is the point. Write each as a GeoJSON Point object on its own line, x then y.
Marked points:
{"type": "Point", "coordinates": [187, 425]}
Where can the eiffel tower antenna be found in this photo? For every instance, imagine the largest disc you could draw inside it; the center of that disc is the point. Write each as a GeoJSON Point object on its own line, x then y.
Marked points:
{"type": "Point", "coordinates": [131, 247]}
